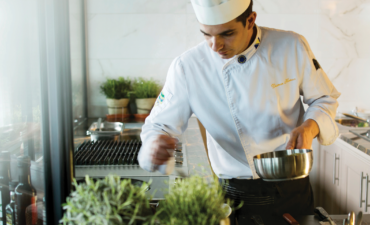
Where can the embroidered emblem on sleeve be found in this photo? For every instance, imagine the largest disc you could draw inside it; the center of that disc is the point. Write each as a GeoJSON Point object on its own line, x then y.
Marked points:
{"type": "Point", "coordinates": [316, 63]}
{"type": "Point", "coordinates": [160, 99]}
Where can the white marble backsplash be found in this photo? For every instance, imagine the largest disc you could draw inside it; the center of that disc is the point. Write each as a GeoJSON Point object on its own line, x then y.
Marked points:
{"type": "Point", "coordinates": [141, 37]}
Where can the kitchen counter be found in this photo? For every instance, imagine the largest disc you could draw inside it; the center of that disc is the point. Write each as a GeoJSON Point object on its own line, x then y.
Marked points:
{"type": "Point", "coordinates": [197, 160]}
{"type": "Point", "coordinates": [197, 157]}
{"type": "Point", "coordinates": [352, 139]}
{"type": "Point", "coordinates": [302, 220]}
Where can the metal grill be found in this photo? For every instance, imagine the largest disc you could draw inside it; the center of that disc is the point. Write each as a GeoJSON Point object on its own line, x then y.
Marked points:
{"type": "Point", "coordinates": [108, 152]}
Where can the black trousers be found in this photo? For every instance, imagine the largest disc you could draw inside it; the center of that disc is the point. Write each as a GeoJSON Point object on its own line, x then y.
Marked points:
{"type": "Point", "coordinates": [269, 199]}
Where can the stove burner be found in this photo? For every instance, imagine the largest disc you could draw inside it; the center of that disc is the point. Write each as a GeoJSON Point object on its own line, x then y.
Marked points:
{"type": "Point", "coordinates": [108, 152]}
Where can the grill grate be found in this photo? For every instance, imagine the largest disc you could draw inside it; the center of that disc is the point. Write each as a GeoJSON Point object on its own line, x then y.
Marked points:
{"type": "Point", "coordinates": [108, 152]}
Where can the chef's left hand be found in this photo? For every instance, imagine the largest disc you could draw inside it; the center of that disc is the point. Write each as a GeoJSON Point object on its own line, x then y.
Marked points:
{"type": "Point", "coordinates": [302, 136]}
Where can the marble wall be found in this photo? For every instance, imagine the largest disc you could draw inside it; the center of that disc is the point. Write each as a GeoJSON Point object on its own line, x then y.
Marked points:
{"type": "Point", "coordinates": [78, 64]}
{"type": "Point", "coordinates": [141, 37]}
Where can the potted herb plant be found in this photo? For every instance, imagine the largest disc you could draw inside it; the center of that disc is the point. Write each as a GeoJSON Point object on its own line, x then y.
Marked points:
{"type": "Point", "coordinates": [194, 201]}
{"type": "Point", "coordinates": [107, 201]}
{"type": "Point", "coordinates": [146, 92]}
{"type": "Point", "coordinates": [116, 92]}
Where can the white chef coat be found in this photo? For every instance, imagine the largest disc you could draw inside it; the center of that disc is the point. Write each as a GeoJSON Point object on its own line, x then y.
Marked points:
{"type": "Point", "coordinates": [247, 108]}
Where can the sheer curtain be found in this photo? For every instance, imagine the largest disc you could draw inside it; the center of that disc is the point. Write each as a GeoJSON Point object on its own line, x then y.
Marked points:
{"type": "Point", "coordinates": [19, 76]}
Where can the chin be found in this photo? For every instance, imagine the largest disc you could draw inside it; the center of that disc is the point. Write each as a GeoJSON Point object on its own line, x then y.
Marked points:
{"type": "Point", "coordinates": [228, 56]}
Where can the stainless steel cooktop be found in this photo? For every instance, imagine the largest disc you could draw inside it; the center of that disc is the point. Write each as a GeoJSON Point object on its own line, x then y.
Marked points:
{"type": "Point", "coordinates": [103, 157]}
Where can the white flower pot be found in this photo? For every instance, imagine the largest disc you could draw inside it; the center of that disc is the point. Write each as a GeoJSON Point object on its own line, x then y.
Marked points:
{"type": "Point", "coordinates": [117, 106]}
{"type": "Point", "coordinates": [144, 105]}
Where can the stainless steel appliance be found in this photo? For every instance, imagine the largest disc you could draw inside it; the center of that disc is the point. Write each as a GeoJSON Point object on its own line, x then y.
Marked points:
{"type": "Point", "coordinates": [105, 130]}
{"type": "Point", "coordinates": [103, 157]}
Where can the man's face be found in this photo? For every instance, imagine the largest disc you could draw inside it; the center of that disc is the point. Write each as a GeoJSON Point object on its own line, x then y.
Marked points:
{"type": "Point", "coordinates": [230, 38]}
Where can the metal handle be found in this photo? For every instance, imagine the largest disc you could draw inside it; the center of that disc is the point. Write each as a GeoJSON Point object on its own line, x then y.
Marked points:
{"type": "Point", "coordinates": [361, 183]}
{"type": "Point", "coordinates": [335, 169]}
{"type": "Point", "coordinates": [367, 192]}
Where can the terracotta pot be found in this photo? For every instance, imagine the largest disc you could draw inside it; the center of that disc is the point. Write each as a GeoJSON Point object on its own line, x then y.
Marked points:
{"type": "Point", "coordinates": [144, 105]}
{"type": "Point", "coordinates": [117, 106]}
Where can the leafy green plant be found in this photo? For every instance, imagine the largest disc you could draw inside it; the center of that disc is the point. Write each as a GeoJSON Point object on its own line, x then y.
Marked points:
{"type": "Point", "coordinates": [193, 200]}
{"type": "Point", "coordinates": [145, 88]}
{"type": "Point", "coordinates": [107, 201]}
{"type": "Point", "coordinates": [116, 89]}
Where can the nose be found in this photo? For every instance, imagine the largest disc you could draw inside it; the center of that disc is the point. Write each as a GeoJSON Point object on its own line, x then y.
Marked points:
{"type": "Point", "coordinates": [217, 44]}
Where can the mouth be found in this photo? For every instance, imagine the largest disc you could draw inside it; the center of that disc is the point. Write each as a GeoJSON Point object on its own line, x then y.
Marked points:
{"type": "Point", "coordinates": [222, 53]}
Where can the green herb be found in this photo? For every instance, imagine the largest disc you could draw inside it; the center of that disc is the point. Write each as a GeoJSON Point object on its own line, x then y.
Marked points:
{"type": "Point", "coordinates": [116, 89]}
{"type": "Point", "coordinates": [145, 88]}
{"type": "Point", "coordinates": [193, 201]}
{"type": "Point", "coordinates": [107, 201]}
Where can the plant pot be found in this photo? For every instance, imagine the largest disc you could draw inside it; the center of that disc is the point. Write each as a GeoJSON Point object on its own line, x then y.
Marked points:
{"type": "Point", "coordinates": [144, 105]}
{"type": "Point", "coordinates": [117, 106]}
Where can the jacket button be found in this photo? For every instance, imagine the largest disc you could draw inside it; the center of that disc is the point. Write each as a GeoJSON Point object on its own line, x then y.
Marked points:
{"type": "Point", "coordinates": [242, 59]}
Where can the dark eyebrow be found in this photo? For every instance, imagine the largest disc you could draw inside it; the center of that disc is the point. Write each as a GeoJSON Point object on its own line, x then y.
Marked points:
{"type": "Point", "coordinates": [223, 33]}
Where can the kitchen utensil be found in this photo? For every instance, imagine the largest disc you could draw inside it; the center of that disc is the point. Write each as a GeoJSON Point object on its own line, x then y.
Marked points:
{"type": "Point", "coordinates": [284, 165]}
{"type": "Point", "coordinates": [345, 222]}
{"type": "Point", "coordinates": [359, 218]}
{"type": "Point", "coordinates": [323, 215]}
{"type": "Point", "coordinates": [352, 218]}
{"type": "Point", "coordinates": [171, 165]}
{"type": "Point", "coordinates": [105, 131]}
{"type": "Point", "coordinates": [289, 218]}
{"type": "Point", "coordinates": [357, 118]}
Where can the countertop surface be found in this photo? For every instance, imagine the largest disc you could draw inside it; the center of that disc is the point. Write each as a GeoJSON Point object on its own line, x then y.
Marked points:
{"type": "Point", "coordinates": [347, 135]}
{"type": "Point", "coordinates": [192, 139]}
{"type": "Point", "coordinates": [302, 220]}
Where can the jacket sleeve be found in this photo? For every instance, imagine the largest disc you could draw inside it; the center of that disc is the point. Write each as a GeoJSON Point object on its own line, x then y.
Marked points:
{"type": "Point", "coordinates": [169, 115]}
{"type": "Point", "coordinates": [319, 93]}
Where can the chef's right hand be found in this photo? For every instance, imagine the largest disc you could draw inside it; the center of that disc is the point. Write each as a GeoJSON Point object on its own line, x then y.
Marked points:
{"type": "Point", "coordinates": [160, 147]}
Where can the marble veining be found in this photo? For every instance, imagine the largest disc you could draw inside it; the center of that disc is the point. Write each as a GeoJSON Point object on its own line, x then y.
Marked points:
{"type": "Point", "coordinates": [142, 37]}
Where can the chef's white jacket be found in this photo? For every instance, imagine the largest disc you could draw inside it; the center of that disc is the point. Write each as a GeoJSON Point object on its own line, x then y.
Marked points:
{"type": "Point", "coordinates": [248, 107]}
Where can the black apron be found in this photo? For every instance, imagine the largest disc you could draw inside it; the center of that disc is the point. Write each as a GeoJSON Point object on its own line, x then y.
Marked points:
{"type": "Point", "coordinates": [269, 200]}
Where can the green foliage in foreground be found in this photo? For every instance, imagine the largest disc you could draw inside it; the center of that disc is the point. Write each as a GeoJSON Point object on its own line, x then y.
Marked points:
{"type": "Point", "coordinates": [116, 89]}
{"type": "Point", "coordinates": [193, 201]}
{"type": "Point", "coordinates": [107, 201]}
{"type": "Point", "coordinates": [145, 88]}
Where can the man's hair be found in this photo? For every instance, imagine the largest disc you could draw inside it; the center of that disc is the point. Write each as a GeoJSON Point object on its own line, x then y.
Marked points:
{"type": "Point", "coordinates": [244, 16]}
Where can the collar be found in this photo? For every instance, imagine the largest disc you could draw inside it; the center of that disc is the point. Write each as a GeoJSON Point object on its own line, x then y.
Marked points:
{"type": "Point", "coordinates": [249, 52]}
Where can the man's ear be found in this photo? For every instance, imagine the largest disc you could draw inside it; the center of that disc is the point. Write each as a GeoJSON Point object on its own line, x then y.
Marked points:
{"type": "Point", "coordinates": [251, 20]}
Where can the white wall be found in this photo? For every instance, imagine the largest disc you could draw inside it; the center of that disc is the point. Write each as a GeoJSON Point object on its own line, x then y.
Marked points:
{"type": "Point", "coordinates": [141, 37]}
{"type": "Point", "coordinates": [77, 42]}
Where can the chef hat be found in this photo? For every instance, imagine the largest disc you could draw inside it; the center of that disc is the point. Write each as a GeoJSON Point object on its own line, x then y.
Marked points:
{"type": "Point", "coordinates": [214, 12]}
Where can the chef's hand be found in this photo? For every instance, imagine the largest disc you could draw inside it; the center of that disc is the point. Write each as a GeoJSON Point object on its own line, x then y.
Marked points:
{"type": "Point", "coordinates": [302, 136]}
{"type": "Point", "coordinates": [160, 147]}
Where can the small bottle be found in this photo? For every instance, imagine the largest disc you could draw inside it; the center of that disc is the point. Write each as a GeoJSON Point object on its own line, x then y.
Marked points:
{"type": "Point", "coordinates": [25, 194]}
{"type": "Point", "coordinates": [4, 181]}
{"type": "Point", "coordinates": [10, 208]}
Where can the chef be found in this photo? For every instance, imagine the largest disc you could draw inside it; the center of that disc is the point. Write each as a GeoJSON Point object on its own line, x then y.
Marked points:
{"type": "Point", "coordinates": [244, 83]}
